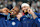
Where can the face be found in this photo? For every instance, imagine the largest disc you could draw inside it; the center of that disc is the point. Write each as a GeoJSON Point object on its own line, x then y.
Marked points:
{"type": "Point", "coordinates": [25, 8]}
{"type": "Point", "coordinates": [14, 11]}
{"type": "Point", "coordinates": [19, 15]}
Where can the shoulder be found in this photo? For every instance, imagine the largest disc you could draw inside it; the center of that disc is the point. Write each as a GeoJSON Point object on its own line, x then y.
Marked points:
{"type": "Point", "coordinates": [38, 14]}
{"type": "Point", "coordinates": [23, 18]}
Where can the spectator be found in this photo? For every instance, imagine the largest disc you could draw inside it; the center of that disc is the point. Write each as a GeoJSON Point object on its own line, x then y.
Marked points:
{"type": "Point", "coordinates": [19, 4]}
{"type": "Point", "coordinates": [5, 3]}
{"type": "Point", "coordinates": [1, 4]}
{"type": "Point", "coordinates": [38, 2]}
{"type": "Point", "coordinates": [0, 1]}
{"type": "Point", "coordinates": [33, 6]}
{"type": "Point", "coordinates": [14, 3]}
{"type": "Point", "coordinates": [9, 6]}
{"type": "Point", "coordinates": [38, 6]}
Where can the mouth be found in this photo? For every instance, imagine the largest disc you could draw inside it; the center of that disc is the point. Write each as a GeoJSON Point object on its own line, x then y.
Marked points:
{"type": "Point", "coordinates": [25, 11]}
{"type": "Point", "coordinates": [12, 13]}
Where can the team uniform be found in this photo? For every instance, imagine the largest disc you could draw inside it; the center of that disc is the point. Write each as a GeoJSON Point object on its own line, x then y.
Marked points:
{"type": "Point", "coordinates": [38, 14]}
{"type": "Point", "coordinates": [14, 23]}
{"type": "Point", "coordinates": [37, 20]}
{"type": "Point", "coordinates": [9, 23]}
{"type": "Point", "coordinates": [27, 21]}
{"type": "Point", "coordinates": [2, 20]}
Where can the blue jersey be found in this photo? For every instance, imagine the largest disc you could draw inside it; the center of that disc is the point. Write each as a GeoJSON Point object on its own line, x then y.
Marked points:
{"type": "Point", "coordinates": [38, 14]}
{"type": "Point", "coordinates": [14, 23]}
{"type": "Point", "coordinates": [37, 22]}
{"type": "Point", "coordinates": [2, 21]}
{"type": "Point", "coordinates": [26, 22]}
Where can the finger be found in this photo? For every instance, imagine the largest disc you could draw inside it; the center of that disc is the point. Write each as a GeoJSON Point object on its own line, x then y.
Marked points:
{"type": "Point", "coordinates": [28, 10]}
{"type": "Point", "coordinates": [7, 10]}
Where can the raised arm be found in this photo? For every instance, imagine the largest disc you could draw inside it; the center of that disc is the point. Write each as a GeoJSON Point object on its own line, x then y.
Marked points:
{"type": "Point", "coordinates": [32, 13]}
{"type": "Point", "coordinates": [4, 10]}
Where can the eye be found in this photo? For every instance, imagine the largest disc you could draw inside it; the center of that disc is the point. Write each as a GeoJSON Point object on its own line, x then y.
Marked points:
{"type": "Point", "coordinates": [15, 11]}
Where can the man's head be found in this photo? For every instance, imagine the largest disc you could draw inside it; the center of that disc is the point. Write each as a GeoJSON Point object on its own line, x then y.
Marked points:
{"type": "Point", "coordinates": [25, 7]}
{"type": "Point", "coordinates": [15, 11]}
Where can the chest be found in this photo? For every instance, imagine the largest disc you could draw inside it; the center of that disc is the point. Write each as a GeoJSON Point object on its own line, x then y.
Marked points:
{"type": "Point", "coordinates": [12, 24]}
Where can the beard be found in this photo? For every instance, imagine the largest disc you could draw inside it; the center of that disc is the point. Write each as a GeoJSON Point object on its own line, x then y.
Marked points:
{"type": "Point", "coordinates": [25, 13]}
{"type": "Point", "coordinates": [12, 16]}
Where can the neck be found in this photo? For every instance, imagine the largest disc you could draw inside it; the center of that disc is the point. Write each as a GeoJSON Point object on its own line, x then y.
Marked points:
{"type": "Point", "coordinates": [18, 17]}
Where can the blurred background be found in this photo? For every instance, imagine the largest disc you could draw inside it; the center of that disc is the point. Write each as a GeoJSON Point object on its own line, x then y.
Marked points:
{"type": "Point", "coordinates": [34, 4]}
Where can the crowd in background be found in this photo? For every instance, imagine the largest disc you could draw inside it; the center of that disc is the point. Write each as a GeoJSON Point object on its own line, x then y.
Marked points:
{"type": "Point", "coordinates": [12, 3]}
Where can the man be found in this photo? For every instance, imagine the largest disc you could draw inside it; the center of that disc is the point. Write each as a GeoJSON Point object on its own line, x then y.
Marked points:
{"type": "Point", "coordinates": [26, 20]}
{"type": "Point", "coordinates": [14, 19]}
{"type": "Point", "coordinates": [14, 22]}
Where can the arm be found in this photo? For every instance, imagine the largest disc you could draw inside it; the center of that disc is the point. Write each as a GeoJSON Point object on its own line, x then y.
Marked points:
{"type": "Point", "coordinates": [34, 16]}
{"type": "Point", "coordinates": [32, 13]}
{"type": "Point", "coordinates": [37, 21]}
{"type": "Point", "coordinates": [4, 10]}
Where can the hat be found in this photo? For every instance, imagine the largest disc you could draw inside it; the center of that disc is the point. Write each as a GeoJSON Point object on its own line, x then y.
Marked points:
{"type": "Point", "coordinates": [24, 4]}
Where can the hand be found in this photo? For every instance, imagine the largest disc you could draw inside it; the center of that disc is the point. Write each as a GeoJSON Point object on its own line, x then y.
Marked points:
{"type": "Point", "coordinates": [30, 11]}
{"type": "Point", "coordinates": [19, 15]}
{"type": "Point", "coordinates": [5, 10]}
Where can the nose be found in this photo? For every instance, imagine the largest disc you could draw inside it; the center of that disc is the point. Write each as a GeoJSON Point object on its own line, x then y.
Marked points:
{"type": "Point", "coordinates": [12, 12]}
